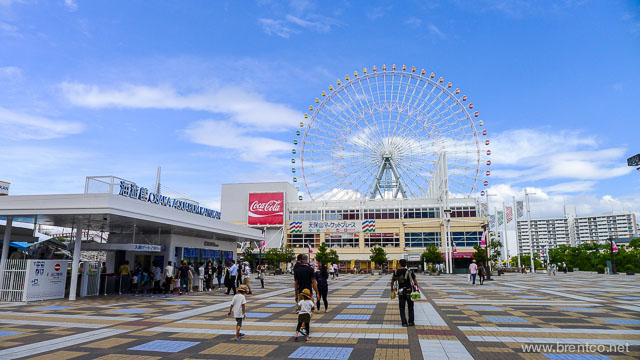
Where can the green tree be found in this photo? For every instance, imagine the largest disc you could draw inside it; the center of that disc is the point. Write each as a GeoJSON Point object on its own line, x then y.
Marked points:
{"type": "Point", "coordinates": [249, 256]}
{"type": "Point", "coordinates": [634, 243]}
{"type": "Point", "coordinates": [326, 255]}
{"type": "Point", "coordinates": [480, 255]}
{"type": "Point", "coordinates": [431, 255]}
{"type": "Point", "coordinates": [272, 257]}
{"type": "Point", "coordinates": [378, 255]}
{"type": "Point", "coordinates": [287, 255]}
{"type": "Point", "coordinates": [495, 252]}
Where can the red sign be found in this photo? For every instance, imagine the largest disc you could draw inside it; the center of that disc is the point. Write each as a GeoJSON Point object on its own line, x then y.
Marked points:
{"type": "Point", "coordinates": [266, 209]}
{"type": "Point", "coordinates": [56, 267]}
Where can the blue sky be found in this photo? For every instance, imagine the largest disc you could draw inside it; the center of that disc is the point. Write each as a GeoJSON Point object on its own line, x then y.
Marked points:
{"type": "Point", "coordinates": [213, 91]}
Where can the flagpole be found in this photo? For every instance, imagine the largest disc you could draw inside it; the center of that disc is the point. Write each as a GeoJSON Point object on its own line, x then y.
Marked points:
{"type": "Point", "coordinates": [515, 211]}
{"type": "Point", "coordinates": [504, 219]}
{"type": "Point", "coordinates": [533, 268]}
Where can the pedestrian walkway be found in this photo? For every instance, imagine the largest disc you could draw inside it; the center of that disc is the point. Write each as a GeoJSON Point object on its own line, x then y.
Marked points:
{"type": "Point", "coordinates": [508, 318]}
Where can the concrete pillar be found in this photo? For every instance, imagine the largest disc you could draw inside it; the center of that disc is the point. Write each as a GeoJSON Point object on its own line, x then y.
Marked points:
{"type": "Point", "coordinates": [7, 240]}
{"type": "Point", "coordinates": [75, 265]}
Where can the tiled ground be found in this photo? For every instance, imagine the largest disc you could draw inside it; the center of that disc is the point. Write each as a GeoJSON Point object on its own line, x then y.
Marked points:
{"type": "Point", "coordinates": [597, 315]}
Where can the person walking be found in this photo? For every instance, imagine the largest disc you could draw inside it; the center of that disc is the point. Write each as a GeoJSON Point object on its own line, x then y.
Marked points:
{"type": "Point", "coordinates": [473, 270]}
{"type": "Point", "coordinates": [336, 270]}
{"type": "Point", "coordinates": [321, 277]}
{"type": "Point", "coordinates": [184, 274]}
{"type": "Point", "coordinates": [304, 278]}
{"type": "Point", "coordinates": [219, 273]}
{"type": "Point", "coordinates": [246, 276]}
{"type": "Point", "coordinates": [125, 277]}
{"type": "Point", "coordinates": [168, 277]}
{"type": "Point", "coordinates": [261, 274]}
{"type": "Point", "coordinates": [482, 273]}
{"type": "Point", "coordinates": [201, 282]}
{"type": "Point", "coordinates": [407, 284]}
{"type": "Point", "coordinates": [305, 309]}
{"type": "Point", "coordinates": [233, 274]}
{"type": "Point", "coordinates": [238, 306]}
{"type": "Point", "coordinates": [157, 277]}
{"type": "Point", "coordinates": [192, 277]}
{"type": "Point", "coordinates": [209, 273]}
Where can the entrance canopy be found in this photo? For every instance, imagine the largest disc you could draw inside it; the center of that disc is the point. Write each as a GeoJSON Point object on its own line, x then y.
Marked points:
{"type": "Point", "coordinates": [111, 213]}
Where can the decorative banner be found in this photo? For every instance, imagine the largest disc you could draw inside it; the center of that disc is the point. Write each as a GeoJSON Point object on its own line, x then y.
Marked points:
{"type": "Point", "coordinates": [500, 218]}
{"type": "Point", "coordinates": [4, 188]}
{"type": "Point", "coordinates": [353, 263]}
{"type": "Point", "coordinates": [310, 250]}
{"type": "Point", "coordinates": [613, 244]}
{"type": "Point", "coordinates": [492, 221]}
{"type": "Point", "coordinates": [455, 249]}
{"type": "Point", "coordinates": [338, 226]}
{"type": "Point", "coordinates": [519, 209]}
{"type": "Point", "coordinates": [483, 241]}
{"type": "Point", "coordinates": [509, 213]}
{"type": "Point", "coordinates": [266, 209]}
{"type": "Point", "coordinates": [484, 209]}
{"type": "Point", "coordinates": [395, 263]}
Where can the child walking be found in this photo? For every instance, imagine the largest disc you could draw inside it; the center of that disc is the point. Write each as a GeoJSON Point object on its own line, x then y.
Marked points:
{"type": "Point", "coordinates": [238, 307]}
{"type": "Point", "coordinates": [305, 308]}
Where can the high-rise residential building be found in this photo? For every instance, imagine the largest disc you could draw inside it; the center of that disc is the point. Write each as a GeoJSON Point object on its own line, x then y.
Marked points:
{"type": "Point", "coordinates": [546, 233]}
{"type": "Point", "coordinates": [600, 228]}
{"type": "Point", "coordinates": [574, 230]}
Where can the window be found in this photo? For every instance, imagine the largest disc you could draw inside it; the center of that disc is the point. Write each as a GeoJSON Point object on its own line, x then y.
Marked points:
{"type": "Point", "coordinates": [382, 239]}
{"type": "Point", "coordinates": [381, 214]}
{"type": "Point", "coordinates": [467, 238]}
{"type": "Point", "coordinates": [303, 240]}
{"type": "Point", "coordinates": [422, 239]}
{"type": "Point", "coordinates": [305, 215]}
{"type": "Point", "coordinates": [342, 240]}
{"type": "Point", "coordinates": [463, 211]}
{"type": "Point", "coordinates": [342, 214]}
{"type": "Point", "coordinates": [421, 213]}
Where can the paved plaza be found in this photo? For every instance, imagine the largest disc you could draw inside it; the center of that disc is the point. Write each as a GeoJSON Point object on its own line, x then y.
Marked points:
{"type": "Point", "coordinates": [509, 318]}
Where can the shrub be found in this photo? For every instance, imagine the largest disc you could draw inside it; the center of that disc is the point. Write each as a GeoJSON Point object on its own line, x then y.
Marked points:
{"type": "Point", "coordinates": [600, 268]}
{"type": "Point", "coordinates": [629, 267]}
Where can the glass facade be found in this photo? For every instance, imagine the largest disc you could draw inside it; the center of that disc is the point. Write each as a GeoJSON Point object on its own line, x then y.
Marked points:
{"type": "Point", "coordinates": [342, 240]}
{"type": "Point", "coordinates": [382, 239]}
{"type": "Point", "coordinates": [467, 238]}
{"type": "Point", "coordinates": [422, 239]}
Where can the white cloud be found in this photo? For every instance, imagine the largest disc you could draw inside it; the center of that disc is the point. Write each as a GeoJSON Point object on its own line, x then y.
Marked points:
{"type": "Point", "coordinates": [20, 126]}
{"type": "Point", "coordinates": [225, 135]}
{"type": "Point", "coordinates": [318, 25]}
{"type": "Point", "coordinates": [572, 187]}
{"type": "Point", "coordinates": [9, 29]}
{"type": "Point", "coordinates": [435, 31]}
{"type": "Point", "coordinates": [277, 27]}
{"type": "Point", "coordinates": [413, 21]}
{"type": "Point", "coordinates": [241, 106]}
{"type": "Point", "coordinates": [10, 73]}
{"type": "Point", "coordinates": [529, 155]}
{"type": "Point", "coordinates": [71, 5]}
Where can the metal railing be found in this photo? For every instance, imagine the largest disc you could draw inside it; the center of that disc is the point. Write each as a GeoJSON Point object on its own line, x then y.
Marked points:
{"type": "Point", "coordinates": [12, 280]}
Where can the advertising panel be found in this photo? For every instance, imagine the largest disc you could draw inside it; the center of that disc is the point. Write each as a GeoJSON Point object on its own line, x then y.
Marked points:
{"type": "Point", "coordinates": [266, 209]}
{"type": "Point", "coordinates": [343, 226]}
{"type": "Point", "coordinates": [4, 188]}
{"type": "Point", "coordinates": [46, 279]}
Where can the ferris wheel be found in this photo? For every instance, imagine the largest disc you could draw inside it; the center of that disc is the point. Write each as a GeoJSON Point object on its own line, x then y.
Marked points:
{"type": "Point", "coordinates": [380, 134]}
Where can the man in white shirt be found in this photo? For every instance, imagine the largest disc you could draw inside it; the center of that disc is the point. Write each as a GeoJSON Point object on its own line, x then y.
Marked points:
{"type": "Point", "coordinates": [201, 277]}
{"type": "Point", "coordinates": [473, 270]}
{"type": "Point", "coordinates": [246, 276]}
{"type": "Point", "coordinates": [168, 276]}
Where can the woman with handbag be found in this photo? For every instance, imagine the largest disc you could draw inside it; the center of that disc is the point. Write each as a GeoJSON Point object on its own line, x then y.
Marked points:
{"type": "Point", "coordinates": [407, 290]}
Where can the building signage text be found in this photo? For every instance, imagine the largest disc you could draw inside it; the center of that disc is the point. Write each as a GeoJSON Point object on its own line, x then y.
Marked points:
{"type": "Point", "coordinates": [135, 192]}
{"type": "Point", "coordinates": [343, 226]}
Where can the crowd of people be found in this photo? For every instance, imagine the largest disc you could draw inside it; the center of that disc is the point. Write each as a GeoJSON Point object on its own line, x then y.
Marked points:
{"type": "Point", "coordinates": [185, 277]}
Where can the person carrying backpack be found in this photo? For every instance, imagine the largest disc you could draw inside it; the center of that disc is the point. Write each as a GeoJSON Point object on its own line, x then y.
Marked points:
{"type": "Point", "coordinates": [407, 284]}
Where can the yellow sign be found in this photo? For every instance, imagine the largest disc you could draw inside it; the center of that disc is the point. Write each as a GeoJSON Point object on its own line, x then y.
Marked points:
{"type": "Point", "coordinates": [395, 263]}
{"type": "Point", "coordinates": [373, 264]}
{"type": "Point", "coordinates": [353, 263]}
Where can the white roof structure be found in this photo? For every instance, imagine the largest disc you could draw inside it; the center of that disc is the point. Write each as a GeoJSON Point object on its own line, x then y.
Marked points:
{"type": "Point", "coordinates": [113, 213]}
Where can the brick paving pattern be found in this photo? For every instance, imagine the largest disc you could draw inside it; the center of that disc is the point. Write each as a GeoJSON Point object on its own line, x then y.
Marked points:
{"type": "Point", "coordinates": [508, 318]}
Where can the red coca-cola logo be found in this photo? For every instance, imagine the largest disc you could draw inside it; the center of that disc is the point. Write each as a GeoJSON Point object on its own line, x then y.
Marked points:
{"type": "Point", "coordinates": [266, 209]}
{"type": "Point", "coordinates": [270, 206]}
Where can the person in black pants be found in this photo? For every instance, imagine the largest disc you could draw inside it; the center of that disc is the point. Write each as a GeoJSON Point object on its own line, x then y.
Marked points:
{"type": "Point", "coordinates": [322, 276]}
{"type": "Point", "coordinates": [407, 283]}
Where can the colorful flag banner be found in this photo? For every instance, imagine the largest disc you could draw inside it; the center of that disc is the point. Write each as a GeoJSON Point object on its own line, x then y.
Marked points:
{"type": "Point", "coordinates": [509, 213]}
{"type": "Point", "coordinates": [484, 209]}
{"type": "Point", "coordinates": [483, 241]}
{"type": "Point", "coordinates": [310, 250]}
{"type": "Point", "coordinates": [492, 221]}
{"type": "Point", "coordinates": [615, 247]}
{"type": "Point", "coordinates": [500, 218]}
{"type": "Point", "coordinates": [455, 249]}
{"type": "Point", "coordinates": [519, 209]}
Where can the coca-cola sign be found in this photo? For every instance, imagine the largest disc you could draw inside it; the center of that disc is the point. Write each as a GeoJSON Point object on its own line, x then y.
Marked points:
{"type": "Point", "coordinates": [266, 209]}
